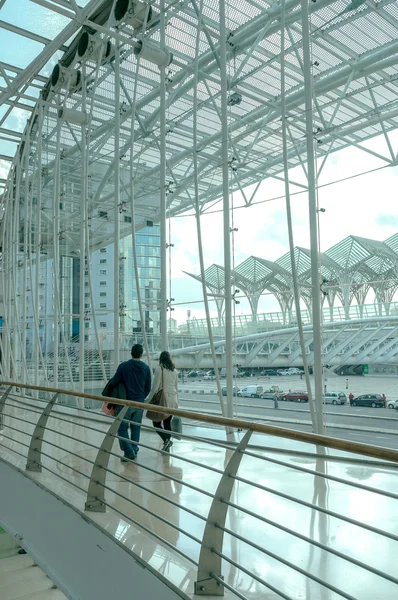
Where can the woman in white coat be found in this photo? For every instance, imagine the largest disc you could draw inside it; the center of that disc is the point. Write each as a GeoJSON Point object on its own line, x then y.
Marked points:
{"type": "Point", "coordinates": [166, 373]}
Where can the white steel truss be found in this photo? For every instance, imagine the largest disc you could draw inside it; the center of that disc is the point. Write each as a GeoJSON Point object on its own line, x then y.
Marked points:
{"type": "Point", "coordinates": [363, 341]}
{"type": "Point", "coordinates": [108, 146]}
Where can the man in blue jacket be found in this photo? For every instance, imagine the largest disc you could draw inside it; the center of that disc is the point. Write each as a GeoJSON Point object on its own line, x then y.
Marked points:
{"type": "Point", "coordinates": [135, 375]}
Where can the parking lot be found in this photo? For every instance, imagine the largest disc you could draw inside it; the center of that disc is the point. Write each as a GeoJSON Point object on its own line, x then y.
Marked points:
{"type": "Point", "coordinates": [365, 424]}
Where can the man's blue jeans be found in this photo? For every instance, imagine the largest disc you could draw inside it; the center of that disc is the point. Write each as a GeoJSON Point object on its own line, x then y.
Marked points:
{"type": "Point", "coordinates": [134, 415]}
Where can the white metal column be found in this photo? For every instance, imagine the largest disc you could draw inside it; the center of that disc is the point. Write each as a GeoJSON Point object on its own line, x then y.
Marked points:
{"type": "Point", "coordinates": [24, 258]}
{"type": "Point", "coordinates": [296, 290]}
{"type": "Point", "coordinates": [163, 228]}
{"type": "Point", "coordinates": [313, 215]}
{"type": "Point", "coordinates": [82, 240]}
{"type": "Point", "coordinates": [56, 200]}
{"type": "Point", "coordinates": [116, 359]}
{"type": "Point", "coordinates": [226, 209]}
{"type": "Point", "coordinates": [37, 241]}
{"type": "Point", "coordinates": [197, 210]}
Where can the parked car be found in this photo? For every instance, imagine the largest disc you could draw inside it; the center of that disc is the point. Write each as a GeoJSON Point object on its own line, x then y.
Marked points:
{"type": "Point", "coordinates": [269, 394]}
{"type": "Point", "coordinates": [251, 391]}
{"type": "Point", "coordinates": [335, 398]}
{"type": "Point", "coordinates": [392, 404]}
{"type": "Point", "coordinates": [235, 391]}
{"type": "Point", "coordinates": [295, 371]}
{"type": "Point", "coordinates": [295, 396]}
{"type": "Point", "coordinates": [243, 374]}
{"type": "Point", "coordinates": [268, 372]}
{"type": "Point", "coordinates": [291, 371]}
{"type": "Point", "coordinates": [374, 400]}
{"type": "Point", "coordinates": [209, 376]}
{"type": "Point", "coordinates": [200, 373]}
{"type": "Point", "coordinates": [192, 374]}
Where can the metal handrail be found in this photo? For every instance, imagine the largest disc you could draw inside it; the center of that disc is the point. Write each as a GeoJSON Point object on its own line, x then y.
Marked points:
{"type": "Point", "coordinates": [298, 436]}
{"type": "Point", "coordinates": [212, 552]}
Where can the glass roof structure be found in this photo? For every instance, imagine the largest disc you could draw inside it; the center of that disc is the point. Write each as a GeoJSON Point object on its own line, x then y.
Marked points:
{"type": "Point", "coordinates": [355, 71]}
{"type": "Point", "coordinates": [350, 269]}
{"type": "Point", "coordinates": [118, 114]}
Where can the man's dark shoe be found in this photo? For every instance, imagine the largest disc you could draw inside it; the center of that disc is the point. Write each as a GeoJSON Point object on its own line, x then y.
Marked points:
{"type": "Point", "coordinates": [128, 457]}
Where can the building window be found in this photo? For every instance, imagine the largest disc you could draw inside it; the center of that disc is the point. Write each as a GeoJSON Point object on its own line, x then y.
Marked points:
{"type": "Point", "coordinates": [102, 324]}
{"type": "Point", "coordinates": [103, 214]}
{"type": "Point", "coordinates": [86, 283]}
{"type": "Point", "coordinates": [87, 295]}
{"type": "Point", "coordinates": [102, 271]}
{"type": "Point", "coordinates": [103, 250]}
{"type": "Point", "coordinates": [102, 304]}
{"type": "Point", "coordinates": [102, 283]}
{"type": "Point", "coordinates": [86, 325]}
{"type": "Point", "coordinates": [103, 294]}
{"type": "Point", "coordinates": [86, 338]}
{"type": "Point", "coordinates": [103, 261]}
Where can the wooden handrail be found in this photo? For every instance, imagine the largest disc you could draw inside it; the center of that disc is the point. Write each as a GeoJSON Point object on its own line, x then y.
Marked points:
{"type": "Point", "coordinates": [291, 434]}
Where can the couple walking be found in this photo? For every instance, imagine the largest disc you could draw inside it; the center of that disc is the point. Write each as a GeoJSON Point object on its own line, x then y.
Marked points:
{"type": "Point", "coordinates": [135, 375]}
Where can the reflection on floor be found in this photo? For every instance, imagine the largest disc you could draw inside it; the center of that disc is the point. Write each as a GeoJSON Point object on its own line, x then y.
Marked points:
{"type": "Point", "coordinates": [155, 509]}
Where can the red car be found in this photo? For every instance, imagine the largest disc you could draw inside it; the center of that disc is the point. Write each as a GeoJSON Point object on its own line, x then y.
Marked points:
{"type": "Point", "coordinates": [295, 396]}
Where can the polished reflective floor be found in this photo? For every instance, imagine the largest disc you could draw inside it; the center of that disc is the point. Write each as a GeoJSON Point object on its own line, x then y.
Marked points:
{"type": "Point", "coordinates": [157, 507]}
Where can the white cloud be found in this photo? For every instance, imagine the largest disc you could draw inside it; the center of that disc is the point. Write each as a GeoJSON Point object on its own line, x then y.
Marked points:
{"type": "Point", "coordinates": [364, 206]}
{"type": "Point", "coordinates": [4, 168]}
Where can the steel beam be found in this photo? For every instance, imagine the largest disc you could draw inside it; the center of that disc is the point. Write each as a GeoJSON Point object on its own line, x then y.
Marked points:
{"type": "Point", "coordinates": [42, 59]}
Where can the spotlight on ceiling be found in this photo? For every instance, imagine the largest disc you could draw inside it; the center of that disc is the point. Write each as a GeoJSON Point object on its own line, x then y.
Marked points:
{"type": "Point", "coordinates": [152, 52]}
{"type": "Point", "coordinates": [64, 78]}
{"type": "Point", "coordinates": [131, 12]}
{"type": "Point", "coordinates": [234, 99]}
{"type": "Point", "coordinates": [89, 48]}
{"type": "Point", "coordinates": [70, 115]}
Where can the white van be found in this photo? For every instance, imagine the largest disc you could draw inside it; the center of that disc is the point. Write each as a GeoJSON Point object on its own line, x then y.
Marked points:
{"type": "Point", "coordinates": [251, 391]}
{"type": "Point", "coordinates": [335, 398]}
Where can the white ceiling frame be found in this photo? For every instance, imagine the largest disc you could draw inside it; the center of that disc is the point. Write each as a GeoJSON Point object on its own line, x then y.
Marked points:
{"type": "Point", "coordinates": [48, 51]}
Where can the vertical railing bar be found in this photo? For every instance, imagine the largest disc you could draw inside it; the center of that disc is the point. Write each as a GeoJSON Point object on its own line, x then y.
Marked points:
{"type": "Point", "coordinates": [96, 493]}
{"type": "Point", "coordinates": [213, 536]}
{"type": "Point", "coordinates": [35, 449]}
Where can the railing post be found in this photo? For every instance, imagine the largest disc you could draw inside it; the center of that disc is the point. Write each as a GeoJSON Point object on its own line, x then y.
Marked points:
{"type": "Point", "coordinates": [96, 490]}
{"type": "Point", "coordinates": [34, 453]}
{"type": "Point", "coordinates": [2, 403]}
{"type": "Point", "coordinates": [213, 536]}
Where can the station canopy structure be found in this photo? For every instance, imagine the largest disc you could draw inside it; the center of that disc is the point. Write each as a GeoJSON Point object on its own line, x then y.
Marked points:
{"type": "Point", "coordinates": [118, 114]}
{"type": "Point", "coordinates": [354, 67]}
{"type": "Point", "coordinates": [349, 270]}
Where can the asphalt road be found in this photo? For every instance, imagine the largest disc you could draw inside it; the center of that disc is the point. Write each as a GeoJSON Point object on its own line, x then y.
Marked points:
{"type": "Point", "coordinates": [374, 426]}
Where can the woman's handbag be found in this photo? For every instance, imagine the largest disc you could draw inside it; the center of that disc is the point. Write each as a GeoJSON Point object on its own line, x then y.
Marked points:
{"type": "Point", "coordinates": [158, 399]}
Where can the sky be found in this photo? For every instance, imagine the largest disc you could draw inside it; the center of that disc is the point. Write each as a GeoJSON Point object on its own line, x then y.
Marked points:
{"type": "Point", "coordinates": [364, 206]}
